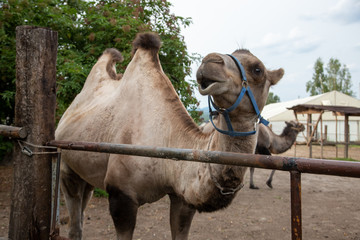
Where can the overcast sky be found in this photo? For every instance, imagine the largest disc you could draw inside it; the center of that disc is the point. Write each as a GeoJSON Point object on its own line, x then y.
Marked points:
{"type": "Point", "coordinates": [281, 33]}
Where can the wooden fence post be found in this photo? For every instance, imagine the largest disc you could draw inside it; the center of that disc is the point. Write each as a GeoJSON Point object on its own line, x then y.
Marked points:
{"type": "Point", "coordinates": [346, 136]}
{"type": "Point", "coordinates": [35, 102]}
{"type": "Point", "coordinates": [309, 130]}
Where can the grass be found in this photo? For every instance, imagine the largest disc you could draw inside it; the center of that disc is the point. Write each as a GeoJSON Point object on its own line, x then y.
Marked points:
{"type": "Point", "coordinates": [354, 146]}
{"type": "Point", "coordinates": [100, 193]}
{"type": "Point", "coordinates": [346, 159]}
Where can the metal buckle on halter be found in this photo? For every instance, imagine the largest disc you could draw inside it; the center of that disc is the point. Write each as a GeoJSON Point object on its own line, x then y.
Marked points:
{"type": "Point", "coordinates": [221, 110]}
{"type": "Point", "coordinates": [244, 84]}
{"type": "Point", "coordinates": [214, 113]}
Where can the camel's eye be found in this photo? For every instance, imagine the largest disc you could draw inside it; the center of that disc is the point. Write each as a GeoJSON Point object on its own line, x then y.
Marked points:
{"type": "Point", "coordinates": [257, 70]}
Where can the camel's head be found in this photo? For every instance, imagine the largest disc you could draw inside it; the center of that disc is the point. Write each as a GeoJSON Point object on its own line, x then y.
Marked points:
{"type": "Point", "coordinates": [295, 125]}
{"type": "Point", "coordinates": [219, 76]}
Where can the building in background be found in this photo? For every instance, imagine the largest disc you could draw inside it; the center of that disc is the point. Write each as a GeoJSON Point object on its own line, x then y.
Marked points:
{"type": "Point", "coordinates": [278, 113]}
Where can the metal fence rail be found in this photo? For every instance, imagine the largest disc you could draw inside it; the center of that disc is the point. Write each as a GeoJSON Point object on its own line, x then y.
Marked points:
{"type": "Point", "coordinates": [295, 166]}
{"type": "Point", "coordinates": [303, 165]}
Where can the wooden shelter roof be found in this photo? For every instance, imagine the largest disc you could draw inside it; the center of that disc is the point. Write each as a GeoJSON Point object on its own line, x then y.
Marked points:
{"type": "Point", "coordinates": [338, 110]}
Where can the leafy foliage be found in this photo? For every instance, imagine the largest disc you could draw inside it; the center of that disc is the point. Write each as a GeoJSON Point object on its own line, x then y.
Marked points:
{"type": "Point", "coordinates": [272, 98]}
{"type": "Point", "coordinates": [337, 77]}
{"type": "Point", "coordinates": [5, 148]}
{"type": "Point", "coordinates": [85, 29]}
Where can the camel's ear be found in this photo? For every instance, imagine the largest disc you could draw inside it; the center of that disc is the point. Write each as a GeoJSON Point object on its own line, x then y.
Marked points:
{"type": "Point", "coordinates": [287, 123]}
{"type": "Point", "coordinates": [275, 75]}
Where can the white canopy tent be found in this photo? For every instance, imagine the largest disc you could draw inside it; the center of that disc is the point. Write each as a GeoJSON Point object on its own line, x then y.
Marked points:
{"type": "Point", "coordinates": [278, 113]}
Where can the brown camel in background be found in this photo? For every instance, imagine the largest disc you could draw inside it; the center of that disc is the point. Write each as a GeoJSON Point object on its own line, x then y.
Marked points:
{"type": "Point", "coordinates": [270, 143]}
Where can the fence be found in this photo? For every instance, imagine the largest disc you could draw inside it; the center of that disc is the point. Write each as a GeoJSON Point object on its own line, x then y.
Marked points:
{"type": "Point", "coordinates": [35, 222]}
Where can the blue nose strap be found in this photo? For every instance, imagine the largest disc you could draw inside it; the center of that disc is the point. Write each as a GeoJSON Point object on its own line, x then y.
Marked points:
{"type": "Point", "coordinates": [225, 112]}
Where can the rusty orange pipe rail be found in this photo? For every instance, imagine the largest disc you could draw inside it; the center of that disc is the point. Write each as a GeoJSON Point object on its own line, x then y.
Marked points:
{"type": "Point", "coordinates": [295, 166]}
{"type": "Point", "coordinates": [302, 165]}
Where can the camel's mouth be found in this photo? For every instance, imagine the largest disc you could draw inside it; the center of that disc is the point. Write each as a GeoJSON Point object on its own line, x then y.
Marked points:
{"type": "Point", "coordinates": [210, 86]}
{"type": "Point", "coordinates": [300, 127]}
{"type": "Point", "coordinates": [205, 83]}
{"type": "Point", "coordinates": [210, 78]}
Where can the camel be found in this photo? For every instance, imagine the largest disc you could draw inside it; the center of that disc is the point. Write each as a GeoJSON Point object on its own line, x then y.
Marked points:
{"type": "Point", "coordinates": [270, 143]}
{"type": "Point", "coordinates": [143, 108]}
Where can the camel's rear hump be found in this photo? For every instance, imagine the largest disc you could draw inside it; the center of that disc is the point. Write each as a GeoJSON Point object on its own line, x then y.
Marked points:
{"type": "Point", "coordinates": [103, 70]}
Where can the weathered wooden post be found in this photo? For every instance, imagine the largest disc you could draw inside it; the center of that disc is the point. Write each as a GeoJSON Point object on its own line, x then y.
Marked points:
{"type": "Point", "coordinates": [36, 50]}
{"type": "Point", "coordinates": [309, 130]}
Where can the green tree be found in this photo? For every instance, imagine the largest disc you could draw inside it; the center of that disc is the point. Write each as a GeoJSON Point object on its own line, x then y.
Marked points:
{"type": "Point", "coordinates": [337, 77]}
{"type": "Point", "coordinates": [319, 83]}
{"type": "Point", "coordinates": [85, 29]}
{"type": "Point", "coordinates": [272, 98]}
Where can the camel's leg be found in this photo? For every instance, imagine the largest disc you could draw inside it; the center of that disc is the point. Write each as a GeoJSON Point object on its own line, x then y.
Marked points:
{"type": "Point", "coordinates": [269, 181]}
{"type": "Point", "coordinates": [252, 185]}
{"type": "Point", "coordinates": [181, 216]}
{"type": "Point", "coordinates": [77, 194]}
{"type": "Point", "coordinates": [123, 211]}
{"type": "Point", "coordinates": [87, 195]}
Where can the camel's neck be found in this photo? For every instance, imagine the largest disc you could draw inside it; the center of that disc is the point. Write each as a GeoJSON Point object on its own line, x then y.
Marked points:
{"type": "Point", "coordinates": [284, 141]}
{"type": "Point", "coordinates": [188, 134]}
{"type": "Point", "coordinates": [240, 123]}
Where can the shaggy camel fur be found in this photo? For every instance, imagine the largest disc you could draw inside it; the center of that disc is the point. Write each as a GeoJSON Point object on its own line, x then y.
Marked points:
{"type": "Point", "coordinates": [270, 143]}
{"type": "Point", "coordinates": [143, 109]}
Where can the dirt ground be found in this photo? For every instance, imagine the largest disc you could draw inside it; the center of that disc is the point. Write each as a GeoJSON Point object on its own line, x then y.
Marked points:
{"type": "Point", "coordinates": [330, 209]}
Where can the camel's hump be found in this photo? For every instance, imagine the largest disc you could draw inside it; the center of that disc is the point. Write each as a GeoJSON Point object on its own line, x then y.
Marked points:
{"type": "Point", "coordinates": [148, 41]}
{"type": "Point", "coordinates": [115, 54]}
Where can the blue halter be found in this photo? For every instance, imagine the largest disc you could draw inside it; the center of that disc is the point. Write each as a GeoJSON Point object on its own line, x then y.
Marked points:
{"type": "Point", "coordinates": [225, 112]}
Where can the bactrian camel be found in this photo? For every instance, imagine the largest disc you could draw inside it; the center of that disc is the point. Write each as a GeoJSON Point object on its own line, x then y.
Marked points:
{"type": "Point", "coordinates": [142, 108]}
{"type": "Point", "coordinates": [270, 143]}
